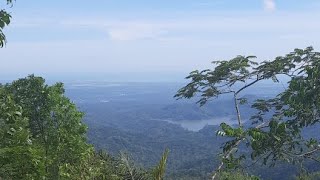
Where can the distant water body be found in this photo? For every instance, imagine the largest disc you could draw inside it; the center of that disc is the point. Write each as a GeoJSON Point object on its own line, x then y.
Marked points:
{"type": "Point", "coordinates": [197, 125]}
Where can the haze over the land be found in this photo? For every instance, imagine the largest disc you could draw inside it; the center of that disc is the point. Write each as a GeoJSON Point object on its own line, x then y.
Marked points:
{"type": "Point", "coordinates": [144, 40]}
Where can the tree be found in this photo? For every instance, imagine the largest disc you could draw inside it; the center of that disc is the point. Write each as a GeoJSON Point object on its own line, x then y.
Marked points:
{"type": "Point", "coordinates": [274, 133]}
{"type": "Point", "coordinates": [54, 122]}
{"type": "Point", "coordinates": [20, 158]}
{"type": "Point", "coordinates": [4, 21]}
{"type": "Point", "coordinates": [42, 137]}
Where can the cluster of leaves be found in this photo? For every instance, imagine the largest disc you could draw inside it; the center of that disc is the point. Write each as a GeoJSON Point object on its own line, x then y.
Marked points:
{"type": "Point", "coordinates": [275, 132]}
{"type": "Point", "coordinates": [4, 21]}
{"type": "Point", "coordinates": [19, 157]}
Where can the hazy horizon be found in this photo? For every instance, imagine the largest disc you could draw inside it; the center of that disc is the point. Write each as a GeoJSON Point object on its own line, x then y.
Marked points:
{"type": "Point", "coordinates": [141, 40]}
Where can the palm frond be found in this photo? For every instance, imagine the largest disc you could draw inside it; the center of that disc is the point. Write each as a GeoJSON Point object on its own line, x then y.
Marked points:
{"type": "Point", "coordinates": [159, 170]}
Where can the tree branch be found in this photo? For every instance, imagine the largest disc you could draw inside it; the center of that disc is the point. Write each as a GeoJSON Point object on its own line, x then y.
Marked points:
{"type": "Point", "coordinates": [237, 109]}
{"type": "Point", "coordinates": [250, 84]}
{"type": "Point", "coordinates": [214, 176]}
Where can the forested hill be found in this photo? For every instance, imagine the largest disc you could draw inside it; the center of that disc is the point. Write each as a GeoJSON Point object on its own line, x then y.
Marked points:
{"type": "Point", "coordinates": [132, 117]}
{"type": "Point", "coordinates": [123, 130]}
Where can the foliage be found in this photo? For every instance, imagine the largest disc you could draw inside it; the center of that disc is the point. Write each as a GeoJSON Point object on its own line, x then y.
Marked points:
{"type": "Point", "coordinates": [128, 170]}
{"type": "Point", "coordinates": [4, 21]}
{"type": "Point", "coordinates": [159, 170]}
{"type": "Point", "coordinates": [87, 168]}
{"type": "Point", "coordinates": [308, 176]}
{"type": "Point", "coordinates": [237, 175]}
{"type": "Point", "coordinates": [42, 136]}
{"type": "Point", "coordinates": [19, 156]}
{"type": "Point", "coordinates": [275, 133]}
{"type": "Point", "coordinates": [54, 122]}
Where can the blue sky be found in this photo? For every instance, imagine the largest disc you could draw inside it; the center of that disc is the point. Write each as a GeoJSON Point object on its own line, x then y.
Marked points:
{"type": "Point", "coordinates": [151, 37]}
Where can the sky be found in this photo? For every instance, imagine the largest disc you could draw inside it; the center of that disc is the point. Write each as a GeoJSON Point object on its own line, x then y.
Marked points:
{"type": "Point", "coordinates": [141, 39]}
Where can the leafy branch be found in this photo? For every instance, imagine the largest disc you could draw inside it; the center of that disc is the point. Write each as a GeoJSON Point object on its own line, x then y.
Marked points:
{"type": "Point", "coordinates": [292, 110]}
{"type": "Point", "coordinates": [5, 19]}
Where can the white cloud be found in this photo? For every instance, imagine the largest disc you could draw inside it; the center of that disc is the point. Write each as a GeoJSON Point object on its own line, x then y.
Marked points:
{"type": "Point", "coordinates": [121, 30]}
{"type": "Point", "coordinates": [269, 5]}
{"type": "Point", "coordinates": [135, 31]}
{"type": "Point", "coordinates": [203, 27]}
